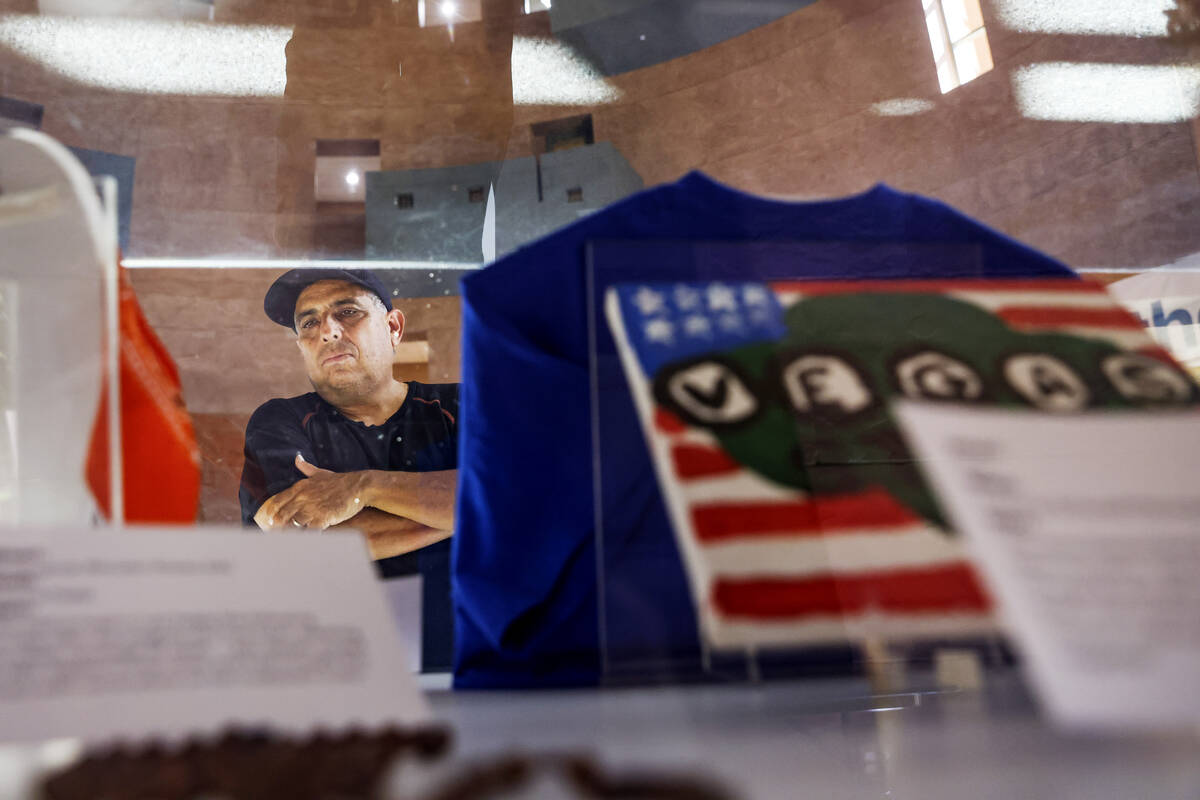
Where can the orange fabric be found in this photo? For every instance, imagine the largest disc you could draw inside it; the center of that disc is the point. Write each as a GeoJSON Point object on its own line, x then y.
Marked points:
{"type": "Point", "coordinates": [161, 461]}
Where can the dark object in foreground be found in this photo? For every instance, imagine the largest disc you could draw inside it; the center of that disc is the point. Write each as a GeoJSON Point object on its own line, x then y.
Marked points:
{"type": "Point", "coordinates": [512, 775]}
{"type": "Point", "coordinates": [257, 765]}
{"type": "Point", "coordinates": [244, 764]}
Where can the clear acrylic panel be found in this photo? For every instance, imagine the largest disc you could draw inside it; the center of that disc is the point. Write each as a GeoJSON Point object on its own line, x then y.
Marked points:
{"type": "Point", "coordinates": [436, 137]}
{"type": "Point", "coordinates": [58, 329]}
{"type": "Point", "coordinates": [9, 509]}
{"type": "Point", "coordinates": [654, 581]}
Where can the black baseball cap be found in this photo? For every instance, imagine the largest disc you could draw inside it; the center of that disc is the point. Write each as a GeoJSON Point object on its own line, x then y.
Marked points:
{"type": "Point", "coordinates": [280, 302]}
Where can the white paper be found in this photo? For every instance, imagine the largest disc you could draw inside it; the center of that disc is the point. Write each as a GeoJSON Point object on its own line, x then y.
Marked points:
{"type": "Point", "coordinates": [9, 474]}
{"type": "Point", "coordinates": [1167, 301]}
{"type": "Point", "coordinates": [169, 632]}
{"type": "Point", "coordinates": [405, 598]}
{"type": "Point", "coordinates": [1086, 529]}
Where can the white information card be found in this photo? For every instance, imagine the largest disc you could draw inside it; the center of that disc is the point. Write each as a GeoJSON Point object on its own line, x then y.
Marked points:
{"type": "Point", "coordinates": [167, 633]}
{"type": "Point", "coordinates": [1086, 529]}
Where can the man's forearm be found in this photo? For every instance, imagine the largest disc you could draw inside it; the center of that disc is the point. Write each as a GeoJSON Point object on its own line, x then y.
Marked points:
{"type": "Point", "coordinates": [389, 535]}
{"type": "Point", "coordinates": [424, 497]}
{"type": "Point", "coordinates": [325, 498]}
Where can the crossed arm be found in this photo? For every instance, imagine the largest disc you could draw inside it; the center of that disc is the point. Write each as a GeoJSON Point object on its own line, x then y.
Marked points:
{"type": "Point", "coordinates": [396, 511]}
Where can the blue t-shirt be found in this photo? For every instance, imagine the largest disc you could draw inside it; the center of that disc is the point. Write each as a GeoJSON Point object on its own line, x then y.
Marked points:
{"type": "Point", "coordinates": [524, 554]}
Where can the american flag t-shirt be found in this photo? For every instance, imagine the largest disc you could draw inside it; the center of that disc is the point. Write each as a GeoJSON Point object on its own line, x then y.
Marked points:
{"type": "Point", "coordinates": [800, 515]}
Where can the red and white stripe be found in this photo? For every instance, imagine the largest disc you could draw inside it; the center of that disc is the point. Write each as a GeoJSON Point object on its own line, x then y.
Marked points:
{"type": "Point", "coordinates": [776, 566]}
{"type": "Point", "coordinates": [771, 565]}
{"type": "Point", "coordinates": [1065, 306]}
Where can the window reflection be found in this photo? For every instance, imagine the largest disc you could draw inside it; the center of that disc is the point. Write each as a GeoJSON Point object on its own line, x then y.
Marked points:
{"type": "Point", "coordinates": [959, 41]}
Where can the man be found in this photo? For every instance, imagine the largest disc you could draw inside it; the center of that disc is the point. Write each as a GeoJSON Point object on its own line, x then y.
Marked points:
{"type": "Point", "coordinates": [364, 450]}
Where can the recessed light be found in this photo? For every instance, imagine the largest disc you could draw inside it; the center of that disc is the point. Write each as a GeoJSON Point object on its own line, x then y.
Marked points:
{"type": "Point", "coordinates": [352, 178]}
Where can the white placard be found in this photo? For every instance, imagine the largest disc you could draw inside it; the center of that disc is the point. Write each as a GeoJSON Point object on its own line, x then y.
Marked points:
{"type": "Point", "coordinates": [9, 475]}
{"type": "Point", "coordinates": [170, 632]}
{"type": "Point", "coordinates": [1167, 301]}
{"type": "Point", "coordinates": [1086, 529]}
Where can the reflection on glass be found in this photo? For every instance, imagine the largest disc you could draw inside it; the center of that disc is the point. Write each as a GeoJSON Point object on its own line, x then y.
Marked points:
{"type": "Point", "coordinates": [1086, 17]}
{"type": "Point", "coordinates": [201, 10]}
{"type": "Point", "coordinates": [962, 17]}
{"type": "Point", "coordinates": [959, 41]}
{"type": "Point", "coordinates": [127, 55]}
{"type": "Point", "coordinates": [1107, 92]}
{"type": "Point", "coordinates": [340, 167]}
{"type": "Point", "coordinates": [431, 13]}
{"type": "Point", "coordinates": [937, 40]}
{"type": "Point", "coordinates": [8, 407]}
{"type": "Point", "coordinates": [549, 72]}
{"type": "Point", "coordinates": [947, 79]}
{"type": "Point", "coordinates": [902, 107]}
{"type": "Point", "coordinates": [972, 56]}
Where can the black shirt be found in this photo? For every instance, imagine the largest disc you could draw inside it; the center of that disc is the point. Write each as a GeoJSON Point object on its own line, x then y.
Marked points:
{"type": "Point", "coordinates": [420, 437]}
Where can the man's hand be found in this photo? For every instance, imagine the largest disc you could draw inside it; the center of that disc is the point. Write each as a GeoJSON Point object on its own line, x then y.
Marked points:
{"type": "Point", "coordinates": [321, 499]}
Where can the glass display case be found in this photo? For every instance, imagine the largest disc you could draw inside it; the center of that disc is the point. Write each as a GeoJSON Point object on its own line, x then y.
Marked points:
{"type": "Point", "coordinates": [502, 168]}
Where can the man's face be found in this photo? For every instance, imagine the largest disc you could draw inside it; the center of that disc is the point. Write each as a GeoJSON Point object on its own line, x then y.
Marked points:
{"type": "Point", "coordinates": [347, 339]}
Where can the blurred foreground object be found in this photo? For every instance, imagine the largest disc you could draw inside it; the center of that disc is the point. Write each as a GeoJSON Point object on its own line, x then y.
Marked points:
{"type": "Point", "coordinates": [161, 458]}
{"type": "Point", "coordinates": [258, 765]}
{"type": "Point", "coordinates": [59, 283]}
{"type": "Point", "coordinates": [176, 633]}
{"type": "Point", "coordinates": [1084, 528]}
{"type": "Point", "coordinates": [56, 243]}
{"type": "Point", "coordinates": [1167, 301]}
{"type": "Point", "coordinates": [245, 765]}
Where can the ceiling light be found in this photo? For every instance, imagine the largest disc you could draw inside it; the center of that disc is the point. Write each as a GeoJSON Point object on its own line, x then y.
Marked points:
{"type": "Point", "coordinates": [1086, 17]}
{"type": "Point", "coordinates": [352, 178]}
{"type": "Point", "coordinates": [128, 55]}
{"type": "Point", "coordinates": [156, 9]}
{"type": "Point", "coordinates": [448, 9]}
{"type": "Point", "coordinates": [548, 72]}
{"type": "Point", "coordinates": [1107, 92]}
{"type": "Point", "coordinates": [902, 107]}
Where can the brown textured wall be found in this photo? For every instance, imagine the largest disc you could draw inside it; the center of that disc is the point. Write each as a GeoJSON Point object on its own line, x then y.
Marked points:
{"type": "Point", "coordinates": [1196, 129]}
{"type": "Point", "coordinates": [783, 110]}
{"type": "Point", "coordinates": [786, 110]}
{"type": "Point", "coordinates": [222, 176]}
{"type": "Point", "coordinates": [430, 100]}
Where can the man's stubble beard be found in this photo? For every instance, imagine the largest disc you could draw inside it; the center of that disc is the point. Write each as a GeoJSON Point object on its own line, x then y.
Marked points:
{"type": "Point", "coordinates": [353, 391]}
